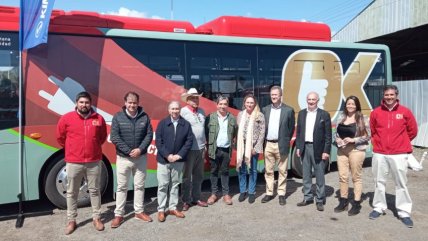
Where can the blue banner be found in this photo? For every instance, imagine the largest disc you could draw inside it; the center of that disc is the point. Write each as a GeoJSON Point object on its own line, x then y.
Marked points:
{"type": "Point", "coordinates": [34, 22]}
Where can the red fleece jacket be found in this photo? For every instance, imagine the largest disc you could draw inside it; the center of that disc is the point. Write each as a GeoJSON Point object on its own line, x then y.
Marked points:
{"type": "Point", "coordinates": [392, 130]}
{"type": "Point", "coordinates": [82, 138]}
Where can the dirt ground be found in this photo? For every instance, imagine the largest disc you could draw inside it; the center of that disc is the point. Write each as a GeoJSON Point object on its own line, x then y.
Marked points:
{"type": "Point", "coordinates": [244, 221]}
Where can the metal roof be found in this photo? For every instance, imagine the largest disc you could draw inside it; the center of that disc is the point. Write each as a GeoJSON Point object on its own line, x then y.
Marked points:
{"type": "Point", "coordinates": [400, 24]}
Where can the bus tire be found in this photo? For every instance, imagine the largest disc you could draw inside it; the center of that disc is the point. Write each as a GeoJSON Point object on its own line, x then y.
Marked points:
{"type": "Point", "coordinates": [55, 184]}
{"type": "Point", "coordinates": [297, 165]}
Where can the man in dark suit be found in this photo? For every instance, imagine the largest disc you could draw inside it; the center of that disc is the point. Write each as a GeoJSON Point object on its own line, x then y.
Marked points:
{"type": "Point", "coordinates": [174, 138]}
{"type": "Point", "coordinates": [313, 143]}
{"type": "Point", "coordinates": [279, 119]}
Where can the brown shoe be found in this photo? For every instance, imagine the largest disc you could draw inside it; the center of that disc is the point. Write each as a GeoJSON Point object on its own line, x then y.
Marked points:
{"type": "Point", "coordinates": [186, 206]}
{"type": "Point", "coordinates": [227, 199]}
{"type": "Point", "coordinates": [212, 199]}
{"type": "Point", "coordinates": [71, 226]}
{"type": "Point", "coordinates": [161, 216]}
{"type": "Point", "coordinates": [99, 226]}
{"type": "Point", "coordinates": [144, 217]}
{"type": "Point", "coordinates": [176, 213]}
{"type": "Point", "coordinates": [117, 221]}
{"type": "Point", "coordinates": [200, 203]}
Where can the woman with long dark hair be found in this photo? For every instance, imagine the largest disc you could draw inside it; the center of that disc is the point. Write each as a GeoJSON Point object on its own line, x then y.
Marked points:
{"type": "Point", "coordinates": [352, 138]}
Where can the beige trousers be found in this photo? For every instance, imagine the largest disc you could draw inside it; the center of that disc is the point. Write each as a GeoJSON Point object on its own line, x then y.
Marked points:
{"type": "Point", "coordinates": [272, 158]}
{"type": "Point", "coordinates": [125, 167]}
{"type": "Point", "coordinates": [349, 158]}
{"type": "Point", "coordinates": [75, 173]}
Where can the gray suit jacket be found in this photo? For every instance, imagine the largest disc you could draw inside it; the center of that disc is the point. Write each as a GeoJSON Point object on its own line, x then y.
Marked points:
{"type": "Point", "coordinates": [286, 126]}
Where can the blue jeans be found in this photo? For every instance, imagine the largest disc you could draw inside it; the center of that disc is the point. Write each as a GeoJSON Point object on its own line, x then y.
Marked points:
{"type": "Point", "coordinates": [242, 175]}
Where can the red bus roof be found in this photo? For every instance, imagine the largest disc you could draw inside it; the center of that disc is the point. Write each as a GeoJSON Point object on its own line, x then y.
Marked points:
{"type": "Point", "coordinates": [79, 22]}
{"type": "Point", "coordinates": [88, 22]}
{"type": "Point", "coordinates": [266, 28]}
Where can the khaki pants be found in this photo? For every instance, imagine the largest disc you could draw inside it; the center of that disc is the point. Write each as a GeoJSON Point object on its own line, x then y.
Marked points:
{"type": "Point", "coordinates": [273, 157]}
{"type": "Point", "coordinates": [125, 167]}
{"type": "Point", "coordinates": [349, 158]}
{"type": "Point", "coordinates": [75, 173]}
{"type": "Point", "coordinates": [168, 181]}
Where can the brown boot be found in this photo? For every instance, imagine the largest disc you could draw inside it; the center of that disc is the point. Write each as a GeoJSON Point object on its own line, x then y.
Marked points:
{"type": "Point", "coordinates": [71, 226]}
{"type": "Point", "coordinates": [117, 221]}
{"type": "Point", "coordinates": [99, 226]}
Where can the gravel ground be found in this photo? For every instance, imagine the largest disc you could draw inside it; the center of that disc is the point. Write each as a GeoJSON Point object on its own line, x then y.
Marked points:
{"type": "Point", "coordinates": [244, 221]}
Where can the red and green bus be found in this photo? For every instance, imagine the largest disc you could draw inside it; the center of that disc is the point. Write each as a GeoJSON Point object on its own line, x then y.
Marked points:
{"type": "Point", "coordinates": [159, 59]}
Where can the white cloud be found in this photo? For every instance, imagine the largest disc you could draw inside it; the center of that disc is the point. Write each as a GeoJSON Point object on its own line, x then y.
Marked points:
{"type": "Point", "coordinates": [156, 17]}
{"type": "Point", "coordinates": [132, 13]}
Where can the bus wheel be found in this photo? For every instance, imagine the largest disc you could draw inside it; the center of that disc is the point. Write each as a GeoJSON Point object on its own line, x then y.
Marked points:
{"type": "Point", "coordinates": [296, 164]}
{"type": "Point", "coordinates": [327, 166]}
{"type": "Point", "coordinates": [55, 184]}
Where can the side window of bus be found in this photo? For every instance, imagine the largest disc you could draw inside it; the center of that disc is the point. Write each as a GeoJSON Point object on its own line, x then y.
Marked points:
{"type": "Point", "coordinates": [9, 102]}
{"type": "Point", "coordinates": [162, 56]}
{"type": "Point", "coordinates": [225, 69]}
{"type": "Point", "coordinates": [375, 82]}
{"type": "Point", "coordinates": [270, 71]}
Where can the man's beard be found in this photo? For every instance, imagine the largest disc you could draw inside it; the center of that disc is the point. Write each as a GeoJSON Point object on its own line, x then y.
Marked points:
{"type": "Point", "coordinates": [83, 111]}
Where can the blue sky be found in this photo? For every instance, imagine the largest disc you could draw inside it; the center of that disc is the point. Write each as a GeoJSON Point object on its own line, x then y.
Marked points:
{"type": "Point", "coordinates": [335, 13]}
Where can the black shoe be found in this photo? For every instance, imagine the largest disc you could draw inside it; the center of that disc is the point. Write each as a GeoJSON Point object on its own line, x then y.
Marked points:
{"type": "Point", "coordinates": [343, 205]}
{"type": "Point", "coordinates": [267, 198]}
{"type": "Point", "coordinates": [320, 207]}
{"type": "Point", "coordinates": [375, 214]}
{"type": "Point", "coordinates": [282, 200]}
{"type": "Point", "coordinates": [305, 203]}
{"type": "Point", "coordinates": [356, 207]}
{"type": "Point", "coordinates": [407, 221]}
{"type": "Point", "coordinates": [251, 198]}
{"type": "Point", "coordinates": [242, 196]}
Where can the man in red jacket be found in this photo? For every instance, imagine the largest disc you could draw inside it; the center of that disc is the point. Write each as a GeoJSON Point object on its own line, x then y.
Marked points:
{"type": "Point", "coordinates": [393, 127]}
{"type": "Point", "coordinates": [81, 133]}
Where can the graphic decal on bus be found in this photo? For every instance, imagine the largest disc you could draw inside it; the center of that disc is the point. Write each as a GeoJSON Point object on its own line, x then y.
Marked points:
{"type": "Point", "coordinates": [321, 71]}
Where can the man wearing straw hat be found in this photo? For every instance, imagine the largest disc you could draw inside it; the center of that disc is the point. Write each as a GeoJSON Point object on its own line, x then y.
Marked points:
{"type": "Point", "coordinates": [194, 165]}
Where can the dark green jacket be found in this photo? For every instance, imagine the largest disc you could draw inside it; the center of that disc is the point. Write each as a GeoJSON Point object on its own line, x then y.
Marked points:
{"type": "Point", "coordinates": [211, 132]}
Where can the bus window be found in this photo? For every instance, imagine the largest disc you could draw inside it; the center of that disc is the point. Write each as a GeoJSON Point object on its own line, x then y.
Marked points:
{"type": "Point", "coordinates": [8, 89]}
{"type": "Point", "coordinates": [375, 82]}
{"type": "Point", "coordinates": [355, 69]}
{"type": "Point", "coordinates": [164, 57]}
{"type": "Point", "coordinates": [337, 67]}
{"type": "Point", "coordinates": [221, 69]}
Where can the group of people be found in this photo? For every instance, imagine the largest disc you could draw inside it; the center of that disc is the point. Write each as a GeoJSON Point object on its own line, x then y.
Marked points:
{"type": "Point", "coordinates": [186, 133]}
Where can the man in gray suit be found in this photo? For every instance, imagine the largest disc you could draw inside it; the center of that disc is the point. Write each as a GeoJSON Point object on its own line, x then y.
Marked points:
{"type": "Point", "coordinates": [313, 143]}
{"type": "Point", "coordinates": [280, 120]}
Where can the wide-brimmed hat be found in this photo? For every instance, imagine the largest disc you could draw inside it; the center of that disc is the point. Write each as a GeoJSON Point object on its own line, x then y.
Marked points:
{"type": "Point", "coordinates": [190, 92]}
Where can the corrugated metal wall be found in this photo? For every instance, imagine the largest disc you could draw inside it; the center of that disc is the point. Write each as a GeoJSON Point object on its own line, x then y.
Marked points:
{"type": "Point", "coordinates": [411, 94]}
{"type": "Point", "coordinates": [384, 17]}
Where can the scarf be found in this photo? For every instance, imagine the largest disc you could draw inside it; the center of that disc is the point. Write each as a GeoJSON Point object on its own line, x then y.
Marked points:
{"type": "Point", "coordinates": [244, 152]}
